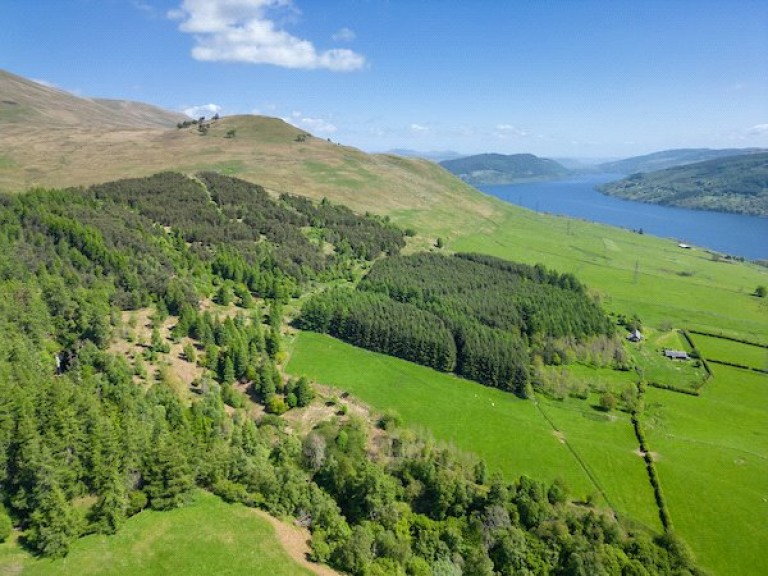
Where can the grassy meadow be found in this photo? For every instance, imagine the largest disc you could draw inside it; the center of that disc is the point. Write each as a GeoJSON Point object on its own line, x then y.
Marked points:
{"type": "Point", "coordinates": [715, 504]}
{"type": "Point", "coordinates": [205, 537]}
{"type": "Point", "coordinates": [657, 369]}
{"type": "Point", "coordinates": [713, 464]}
{"type": "Point", "coordinates": [729, 351]}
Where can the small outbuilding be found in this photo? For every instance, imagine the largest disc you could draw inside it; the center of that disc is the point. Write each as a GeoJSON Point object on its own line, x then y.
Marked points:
{"type": "Point", "coordinates": [676, 354]}
{"type": "Point", "coordinates": [635, 336]}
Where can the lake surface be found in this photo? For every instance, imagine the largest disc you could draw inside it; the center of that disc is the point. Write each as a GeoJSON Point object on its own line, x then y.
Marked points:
{"type": "Point", "coordinates": [733, 234]}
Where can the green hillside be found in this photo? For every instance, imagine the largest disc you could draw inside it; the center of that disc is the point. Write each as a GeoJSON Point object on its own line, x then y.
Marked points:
{"type": "Point", "coordinates": [667, 288]}
{"type": "Point", "coordinates": [196, 540]}
{"type": "Point", "coordinates": [504, 169]}
{"type": "Point", "coordinates": [145, 324]}
{"type": "Point", "coordinates": [733, 184]}
{"type": "Point", "coordinates": [169, 301]}
{"type": "Point", "coordinates": [52, 139]}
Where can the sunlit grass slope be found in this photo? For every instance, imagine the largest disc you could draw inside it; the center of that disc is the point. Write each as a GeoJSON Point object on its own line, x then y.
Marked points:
{"type": "Point", "coordinates": [511, 434]}
{"type": "Point", "coordinates": [206, 537]}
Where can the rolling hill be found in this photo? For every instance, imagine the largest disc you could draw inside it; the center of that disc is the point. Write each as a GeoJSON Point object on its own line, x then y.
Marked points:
{"type": "Point", "coordinates": [733, 184]}
{"type": "Point", "coordinates": [504, 169]}
{"type": "Point", "coordinates": [671, 158]}
{"type": "Point", "coordinates": [711, 447]}
{"type": "Point", "coordinates": [26, 105]}
{"type": "Point", "coordinates": [53, 138]}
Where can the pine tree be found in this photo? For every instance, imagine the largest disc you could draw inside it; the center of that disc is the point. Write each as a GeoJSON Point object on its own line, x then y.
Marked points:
{"type": "Point", "coordinates": [53, 525]}
{"type": "Point", "coordinates": [304, 392]}
{"type": "Point", "coordinates": [111, 510]}
{"type": "Point", "coordinates": [167, 476]}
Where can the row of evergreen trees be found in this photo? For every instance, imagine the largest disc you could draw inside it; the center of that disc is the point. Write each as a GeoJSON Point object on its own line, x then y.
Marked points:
{"type": "Point", "coordinates": [377, 323]}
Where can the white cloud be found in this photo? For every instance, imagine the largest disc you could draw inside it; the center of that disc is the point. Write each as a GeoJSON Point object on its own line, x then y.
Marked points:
{"type": "Point", "coordinates": [420, 128]}
{"type": "Point", "coordinates": [344, 35]}
{"type": "Point", "coordinates": [506, 130]}
{"type": "Point", "coordinates": [313, 125]}
{"type": "Point", "coordinates": [202, 110]}
{"type": "Point", "coordinates": [44, 83]}
{"type": "Point", "coordinates": [242, 31]}
{"type": "Point", "coordinates": [758, 130]}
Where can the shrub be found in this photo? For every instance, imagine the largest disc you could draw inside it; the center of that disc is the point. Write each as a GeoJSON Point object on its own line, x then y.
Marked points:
{"type": "Point", "coordinates": [137, 501]}
{"type": "Point", "coordinates": [389, 421]}
{"type": "Point", "coordinates": [275, 404]}
{"type": "Point", "coordinates": [607, 402]}
{"type": "Point", "coordinates": [6, 526]}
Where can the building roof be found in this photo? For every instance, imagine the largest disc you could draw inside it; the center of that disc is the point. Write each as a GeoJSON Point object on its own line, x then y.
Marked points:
{"type": "Point", "coordinates": [678, 354]}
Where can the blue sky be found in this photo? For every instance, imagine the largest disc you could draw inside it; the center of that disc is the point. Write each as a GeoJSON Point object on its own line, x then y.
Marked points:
{"type": "Point", "coordinates": [555, 78]}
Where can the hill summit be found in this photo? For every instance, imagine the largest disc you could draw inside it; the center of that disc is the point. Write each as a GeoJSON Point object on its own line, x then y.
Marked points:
{"type": "Point", "coordinates": [26, 104]}
{"type": "Point", "coordinates": [54, 138]}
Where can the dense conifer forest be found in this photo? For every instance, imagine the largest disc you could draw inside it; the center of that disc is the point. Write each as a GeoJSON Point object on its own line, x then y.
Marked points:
{"type": "Point", "coordinates": [88, 437]}
{"type": "Point", "coordinates": [475, 315]}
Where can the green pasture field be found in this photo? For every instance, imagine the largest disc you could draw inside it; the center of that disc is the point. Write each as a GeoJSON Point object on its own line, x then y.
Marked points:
{"type": "Point", "coordinates": [510, 434]}
{"type": "Point", "coordinates": [205, 537]}
{"type": "Point", "coordinates": [606, 444]}
{"type": "Point", "coordinates": [730, 351]}
{"type": "Point", "coordinates": [713, 464]}
{"type": "Point", "coordinates": [603, 379]}
{"type": "Point", "coordinates": [495, 425]}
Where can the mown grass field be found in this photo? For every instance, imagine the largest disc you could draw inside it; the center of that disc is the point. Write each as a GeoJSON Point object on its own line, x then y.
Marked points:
{"type": "Point", "coordinates": [730, 351]}
{"type": "Point", "coordinates": [206, 537]}
{"type": "Point", "coordinates": [607, 446]}
{"type": "Point", "coordinates": [713, 509]}
{"type": "Point", "coordinates": [713, 464]}
{"type": "Point", "coordinates": [492, 424]}
{"type": "Point", "coordinates": [511, 434]}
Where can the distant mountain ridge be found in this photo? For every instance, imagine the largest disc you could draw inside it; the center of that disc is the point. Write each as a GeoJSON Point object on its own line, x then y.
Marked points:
{"type": "Point", "coordinates": [504, 169]}
{"type": "Point", "coordinates": [671, 158]}
{"type": "Point", "coordinates": [736, 184]}
{"type": "Point", "coordinates": [432, 155]}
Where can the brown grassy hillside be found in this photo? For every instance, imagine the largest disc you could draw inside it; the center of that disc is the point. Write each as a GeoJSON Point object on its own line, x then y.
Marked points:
{"type": "Point", "coordinates": [53, 138]}
{"type": "Point", "coordinates": [26, 105]}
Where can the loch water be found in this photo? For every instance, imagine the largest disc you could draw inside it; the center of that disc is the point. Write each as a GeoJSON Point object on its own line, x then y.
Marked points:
{"type": "Point", "coordinates": [732, 234]}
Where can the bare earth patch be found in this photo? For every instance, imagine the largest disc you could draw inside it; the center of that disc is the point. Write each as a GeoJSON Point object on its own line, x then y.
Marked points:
{"type": "Point", "coordinates": [641, 454]}
{"type": "Point", "coordinates": [294, 541]}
